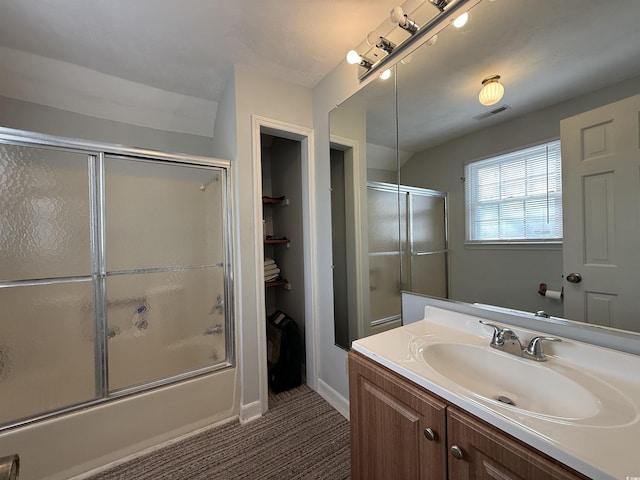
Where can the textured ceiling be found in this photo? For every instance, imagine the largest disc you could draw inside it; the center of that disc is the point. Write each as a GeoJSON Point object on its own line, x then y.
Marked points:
{"type": "Point", "coordinates": [190, 46]}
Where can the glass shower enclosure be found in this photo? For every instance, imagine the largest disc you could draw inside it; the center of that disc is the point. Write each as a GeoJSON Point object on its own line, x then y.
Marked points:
{"type": "Point", "coordinates": [407, 246]}
{"type": "Point", "coordinates": [115, 272]}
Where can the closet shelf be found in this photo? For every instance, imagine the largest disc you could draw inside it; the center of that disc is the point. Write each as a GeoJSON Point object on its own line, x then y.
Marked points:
{"type": "Point", "coordinates": [276, 283]}
{"type": "Point", "coordinates": [276, 241]}
{"type": "Point", "coordinates": [275, 200]}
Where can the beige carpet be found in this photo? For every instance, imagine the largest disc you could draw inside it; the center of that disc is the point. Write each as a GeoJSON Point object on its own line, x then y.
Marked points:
{"type": "Point", "coordinates": [300, 437]}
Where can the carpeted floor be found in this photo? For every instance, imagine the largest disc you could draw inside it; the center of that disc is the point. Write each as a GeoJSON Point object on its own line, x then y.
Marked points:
{"type": "Point", "coordinates": [300, 437]}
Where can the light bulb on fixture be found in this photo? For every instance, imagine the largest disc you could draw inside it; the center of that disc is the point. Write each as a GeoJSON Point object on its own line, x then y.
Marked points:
{"type": "Point", "coordinates": [439, 4]}
{"type": "Point", "coordinates": [492, 90]}
{"type": "Point", "coordinates": [461, 20]}
{"type": "Point", "coordinates": [398, 16]}
{"type": "Point", "coordinates": [386, 74]}
{"type": "Point", "coordinates": [432, 41]}
{"type": "Point", "coordinates": [407, 60]}
{"type": "Point", "coordinates": [376, 40]}
{"type": "Point", "coordinates": [354, 58]}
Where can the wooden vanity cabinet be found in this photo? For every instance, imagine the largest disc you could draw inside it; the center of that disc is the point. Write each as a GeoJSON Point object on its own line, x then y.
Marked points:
{"type": "Point", "coordinates": [389, 416]}
{"type": "Point", "coordinates": [488, 454]}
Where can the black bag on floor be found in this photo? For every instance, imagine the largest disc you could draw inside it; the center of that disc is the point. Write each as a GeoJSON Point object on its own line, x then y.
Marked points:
{"type": "Point", "coordinates": [285, 352]}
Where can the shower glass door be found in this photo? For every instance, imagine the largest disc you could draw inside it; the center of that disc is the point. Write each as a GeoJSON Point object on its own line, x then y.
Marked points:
{"type": "Point", "coordinates": [384, 252]}
{"type": "Point", "coordinates": [164, 267]}
{"type": "Point", "coordinates": [407, 247]}
{"type": "Point", "coordinates": [46, 289]}
{"type": "Point", "coordinates": [114, 272]}
{"type": "Point", "coordinates": [425, 258]}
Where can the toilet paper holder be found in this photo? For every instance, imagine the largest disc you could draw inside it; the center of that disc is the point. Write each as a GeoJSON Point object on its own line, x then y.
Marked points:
{"type": "Point", "coordinates": [542, 290]}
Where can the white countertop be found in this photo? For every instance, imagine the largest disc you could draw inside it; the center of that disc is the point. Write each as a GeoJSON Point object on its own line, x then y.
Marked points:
{"type": "Point", "coordinates": [606, 445]}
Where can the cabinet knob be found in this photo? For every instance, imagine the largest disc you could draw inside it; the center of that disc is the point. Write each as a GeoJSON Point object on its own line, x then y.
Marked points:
{"type": "Point", "coordinates": [457, 452]}
{"type": "Point", "coordinates": [430, 434]}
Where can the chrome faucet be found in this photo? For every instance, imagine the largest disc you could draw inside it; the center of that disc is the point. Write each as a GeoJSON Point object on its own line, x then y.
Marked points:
{"type": "Point", "coordinates": [506, 340]}
{"type": "Point", "coordinates": [534, 349]}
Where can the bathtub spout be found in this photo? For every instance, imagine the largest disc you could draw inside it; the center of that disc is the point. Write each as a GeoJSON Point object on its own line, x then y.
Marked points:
{"type": "Point", "coordinates": [215, 330]}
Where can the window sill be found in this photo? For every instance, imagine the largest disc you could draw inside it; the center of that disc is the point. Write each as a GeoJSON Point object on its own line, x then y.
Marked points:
{"type": "Point", "coordinates": [515, 245]}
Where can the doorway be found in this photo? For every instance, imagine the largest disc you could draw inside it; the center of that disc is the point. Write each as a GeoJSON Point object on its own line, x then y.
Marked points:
{"type": "Point", "coordinates": [285, 214]}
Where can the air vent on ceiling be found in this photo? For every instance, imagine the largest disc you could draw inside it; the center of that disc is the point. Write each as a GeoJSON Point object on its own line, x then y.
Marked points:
{"type": "Point", "coordinates": [493, 112]}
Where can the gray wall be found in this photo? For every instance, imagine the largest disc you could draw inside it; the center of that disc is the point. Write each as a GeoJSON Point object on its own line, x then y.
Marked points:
{"type": "Point", "coordinates": [23, 115]}
{"type": "Point", "coordinates": [507, 276]}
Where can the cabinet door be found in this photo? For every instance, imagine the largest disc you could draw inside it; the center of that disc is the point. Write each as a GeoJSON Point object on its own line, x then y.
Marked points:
{"type": "Point", "coordinates": [388, 421]}
{"type": "Point", "coordinates": [489, 454]}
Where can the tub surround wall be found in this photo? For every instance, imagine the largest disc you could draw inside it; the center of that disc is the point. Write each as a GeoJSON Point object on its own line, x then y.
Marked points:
{"type": "Point", "coordinates": [68, 445]}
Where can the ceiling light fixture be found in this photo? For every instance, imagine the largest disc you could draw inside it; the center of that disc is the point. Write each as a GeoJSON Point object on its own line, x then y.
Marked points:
{"type": "Point", "coordinates": [426, 32]}
{"type": "Point", "coordinates": [461, 20]}
{"type": "Point", "coordinates": [492, 90]}
{"type": "Point", "coordinates": [398, 16]}
{"type": "Point", "coordinates": [386, 74]}
{"type": "Point", "coordinates": [440, 4]}
{"type": "Point", "coordinates": [376, 40]}
{"type": "Point", "coordinates": [354, 58]}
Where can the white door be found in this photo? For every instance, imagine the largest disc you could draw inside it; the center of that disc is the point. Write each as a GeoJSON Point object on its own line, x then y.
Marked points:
{"type": "Point", "coordinates": [601, 190]}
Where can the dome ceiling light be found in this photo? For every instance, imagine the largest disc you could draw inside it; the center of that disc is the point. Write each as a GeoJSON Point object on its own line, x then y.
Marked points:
{"type": "Point", "coordinates": [492, 90]}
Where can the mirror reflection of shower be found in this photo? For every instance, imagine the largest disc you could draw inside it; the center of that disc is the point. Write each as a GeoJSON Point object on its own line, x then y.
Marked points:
{"type": "Point", "coordinates": [415, 249]}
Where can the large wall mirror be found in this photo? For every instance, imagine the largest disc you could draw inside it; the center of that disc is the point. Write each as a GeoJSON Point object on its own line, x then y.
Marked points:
{"type": "Point", "coordinates": [400, 147]}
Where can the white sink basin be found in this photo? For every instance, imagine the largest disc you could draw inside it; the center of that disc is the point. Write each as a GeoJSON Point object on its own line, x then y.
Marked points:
{"type": "Point", "coordinates": [539, 388]}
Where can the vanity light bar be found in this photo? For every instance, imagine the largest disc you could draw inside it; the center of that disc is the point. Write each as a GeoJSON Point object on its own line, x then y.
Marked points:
{"type": "Point", "coordinates": [426, 31]}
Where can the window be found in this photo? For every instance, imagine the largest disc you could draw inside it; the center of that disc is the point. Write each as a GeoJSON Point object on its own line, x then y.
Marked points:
{"type": "Point", "coordinates": [515, 197]}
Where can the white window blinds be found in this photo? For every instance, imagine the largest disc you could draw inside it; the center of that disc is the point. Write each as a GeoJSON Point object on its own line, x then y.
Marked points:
{"type": "Point", "coordinates": [515, 197]}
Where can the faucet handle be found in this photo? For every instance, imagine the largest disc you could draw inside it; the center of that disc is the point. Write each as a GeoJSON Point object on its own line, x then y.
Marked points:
{"type": "Point", "coordinates": [496, 332]}
{"type": "Point", "coordinates": [534, 349]}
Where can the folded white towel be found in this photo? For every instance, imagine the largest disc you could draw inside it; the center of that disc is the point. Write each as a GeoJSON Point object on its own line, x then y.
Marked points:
{"type": "Point", "coordinates": [269, 261]}
{"type": "Point", "coordinates": [271, 277]}
{"type": "Point", "coordinates": [271, 271]}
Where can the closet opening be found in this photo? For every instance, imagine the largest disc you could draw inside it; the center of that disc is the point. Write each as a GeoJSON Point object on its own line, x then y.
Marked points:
{"type": "Point", "coordinates": [284, 260]}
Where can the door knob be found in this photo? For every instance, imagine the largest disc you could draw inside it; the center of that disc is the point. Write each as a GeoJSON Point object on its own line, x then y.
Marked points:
{"type": "Point", "coordinates": [574, 278]}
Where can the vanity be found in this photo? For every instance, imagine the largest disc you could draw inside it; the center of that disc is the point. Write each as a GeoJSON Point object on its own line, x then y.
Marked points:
{"type": "Point", "coordinates": [435, 399]}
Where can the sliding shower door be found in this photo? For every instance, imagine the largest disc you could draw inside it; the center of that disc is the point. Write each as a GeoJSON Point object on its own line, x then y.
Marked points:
{"type": "Point", "coordinates": [46, 289]}
{"type": "Point", "coordinates": [407, 247]}
{"type": "Point", "coordinates": [164, 265]}
{"type": "Point", "coordinates": [114, 272]}
{"type": "Point", "coordinates": [425, 258]}
{"type": "Point", "coordinates": [384, 252]}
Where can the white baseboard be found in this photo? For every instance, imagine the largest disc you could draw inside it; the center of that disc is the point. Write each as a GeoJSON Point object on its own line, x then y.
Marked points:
{"type": "Point", "coordinates": [337, 401]}
{"type": "Point", "coordinates": [251, 411]}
